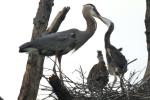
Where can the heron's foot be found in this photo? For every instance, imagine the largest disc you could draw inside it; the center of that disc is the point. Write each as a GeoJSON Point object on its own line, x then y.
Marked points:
{"type": "Point", "coordinates": [54, 68]}
{"type": "Point", "coordinates": [61, 77]}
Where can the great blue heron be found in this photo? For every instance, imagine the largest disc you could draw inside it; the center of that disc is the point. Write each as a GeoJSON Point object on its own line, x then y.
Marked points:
{"type": "Point", "coordinates": [61, 43]}
{"type": "Point", "coordinates": [117, 63]}
{"type": "Point", "coordinates": [98, 75]}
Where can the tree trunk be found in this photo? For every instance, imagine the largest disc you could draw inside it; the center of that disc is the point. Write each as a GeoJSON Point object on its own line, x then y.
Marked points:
{"type": "Point", "coordinates": [34, 67]}
{"type": "Point", "coordinates": [147, 25]}
{"type": "Point", "coordinates": [145, 85]}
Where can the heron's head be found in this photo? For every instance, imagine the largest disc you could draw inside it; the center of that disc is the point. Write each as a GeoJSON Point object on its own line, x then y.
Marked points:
{"type": "Point", "coordinates": [92, 11]}
{"type": "Point", "coordinates": [99, 55]}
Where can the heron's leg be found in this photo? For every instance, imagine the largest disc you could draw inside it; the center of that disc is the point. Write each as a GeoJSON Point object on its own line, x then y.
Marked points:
{"type": "Point", "coordinates": [54, 67]}
{"type": "Point", "coordinates": [115, 80]}
{"type": "Point", "coordinates": [60, 71]}
{"type": "Point", "coordinates": [121, 82]}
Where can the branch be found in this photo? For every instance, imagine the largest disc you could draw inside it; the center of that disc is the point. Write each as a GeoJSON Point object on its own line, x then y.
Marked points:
{"type": "Point", "coordinates": [132, 61]}
{"type": "Point", "coordinates": [147, 33]}
{"type": "Point", "coordinates": [1, 98]}
{"type": "Point", "coordinates": [58, 20]}
{"type": "Point", "coordinates": [60, 90]}
{"type": "Point", "coordinates": [34, 67]}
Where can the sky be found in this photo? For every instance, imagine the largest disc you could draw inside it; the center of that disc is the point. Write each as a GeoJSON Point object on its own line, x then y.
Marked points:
{"type": "Point", "coordinates": [16, 22]}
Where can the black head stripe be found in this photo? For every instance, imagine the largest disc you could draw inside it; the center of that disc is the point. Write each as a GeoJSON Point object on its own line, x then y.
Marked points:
{"type": "Point", "coordinates": [96, 11]}
{"type": "Point", "coordinates": [91, 5]}
{"type": "Point", "coordinates": [94, 8]}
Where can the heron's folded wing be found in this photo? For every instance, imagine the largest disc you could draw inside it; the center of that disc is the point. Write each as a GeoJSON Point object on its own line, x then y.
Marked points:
{"type": "Point", "coordinates": [53, 42]}
{"type": "Point", "coordinates": [119, 58]}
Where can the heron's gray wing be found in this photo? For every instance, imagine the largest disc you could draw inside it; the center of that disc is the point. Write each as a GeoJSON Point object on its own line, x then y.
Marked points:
{"type": "Point", "coordinates": [96, 72]}
{"type": "Point", "coordinates": [118, 57]}
{"type": "Point", "coordinates": [53, 42]}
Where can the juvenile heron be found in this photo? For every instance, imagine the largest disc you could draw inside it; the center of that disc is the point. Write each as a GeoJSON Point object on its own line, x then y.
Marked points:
{"type": "Point", "coordinates": [98, 75]}
{"type": "Point", "coordinates": [61, 43]}
{"type": "Point", "coordinates": [117, 63]}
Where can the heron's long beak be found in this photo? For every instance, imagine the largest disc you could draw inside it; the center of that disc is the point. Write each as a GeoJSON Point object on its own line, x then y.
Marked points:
{"type": "Point", "coordinates": [105, 20]}
{"type": "Point", "coordinates": [99, 16]}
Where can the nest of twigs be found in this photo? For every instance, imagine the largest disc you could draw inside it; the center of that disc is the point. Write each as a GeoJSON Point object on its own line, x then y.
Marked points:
{"type": "Point", "coordinates": [132, 89]}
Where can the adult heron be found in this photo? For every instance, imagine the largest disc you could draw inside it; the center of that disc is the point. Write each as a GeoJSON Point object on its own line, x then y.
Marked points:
{"type": "Point", "coordinates": [117, 63]}
{"type": "Point", "coordinates": [98, 75]}
{"type": "Point", "coordinates": [61, 43]}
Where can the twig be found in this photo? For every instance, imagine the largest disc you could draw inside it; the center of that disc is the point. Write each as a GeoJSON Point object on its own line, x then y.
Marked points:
{"type": "Point", "coordinates": [132, 61]}
{"type": "Point", "coordinates": [77, 89]}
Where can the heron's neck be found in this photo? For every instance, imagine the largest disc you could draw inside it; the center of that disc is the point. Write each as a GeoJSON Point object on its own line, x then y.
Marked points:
{"type": "Point", "coordinates": [100, 59]}
{"type": "Point", "coordinates": [91, 25]}
{"type": "Point", "coordinates": [110, 26]}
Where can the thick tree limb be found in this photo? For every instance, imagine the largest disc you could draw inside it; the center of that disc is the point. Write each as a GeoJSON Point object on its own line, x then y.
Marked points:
{"type": "Point", "coordinates": [60, 90]}
{"type": "Point", "coordinates": [1, 98]}
{"type": "Point", "coordinates": [147, 25]}
{"type": "Point", "coordinates": [34, 67]}
{"type": "Point", "coordinates": [145, 85]}
{"type": "Point", "coordinates": [58, 20]}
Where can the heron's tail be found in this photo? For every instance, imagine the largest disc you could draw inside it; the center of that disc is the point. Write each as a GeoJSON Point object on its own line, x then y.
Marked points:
{"type": "Point", "coordinates": [24, 47]}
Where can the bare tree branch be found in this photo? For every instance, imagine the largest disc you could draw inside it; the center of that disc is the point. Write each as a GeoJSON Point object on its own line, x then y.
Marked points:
{"type": "Point", "coordinates": [60, 90]}
{"type": "Point", "coordinates": [34, 67]}
{"type": "Point", "coordinates": [58, 19]}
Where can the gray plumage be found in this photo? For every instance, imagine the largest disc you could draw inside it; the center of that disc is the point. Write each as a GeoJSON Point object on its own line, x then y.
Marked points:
{"type": "Point", "coordinates": [117, 63]}
{"type": "Point", "coordinates": [64, 41]}
{"type": "Point", "coordinates": [61, 43]}
{"type": "Point", "coordinates": [48, 45]}
{"type": "Point", "coordinates": [98, 75]}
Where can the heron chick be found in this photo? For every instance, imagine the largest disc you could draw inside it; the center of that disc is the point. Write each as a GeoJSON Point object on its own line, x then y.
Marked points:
{"type": "Point", "coordinates": [117, 63]}
{"type": "Point", "coordinates": [60, 43]}
{"type": "Point", "coordinates": [98, 75]}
